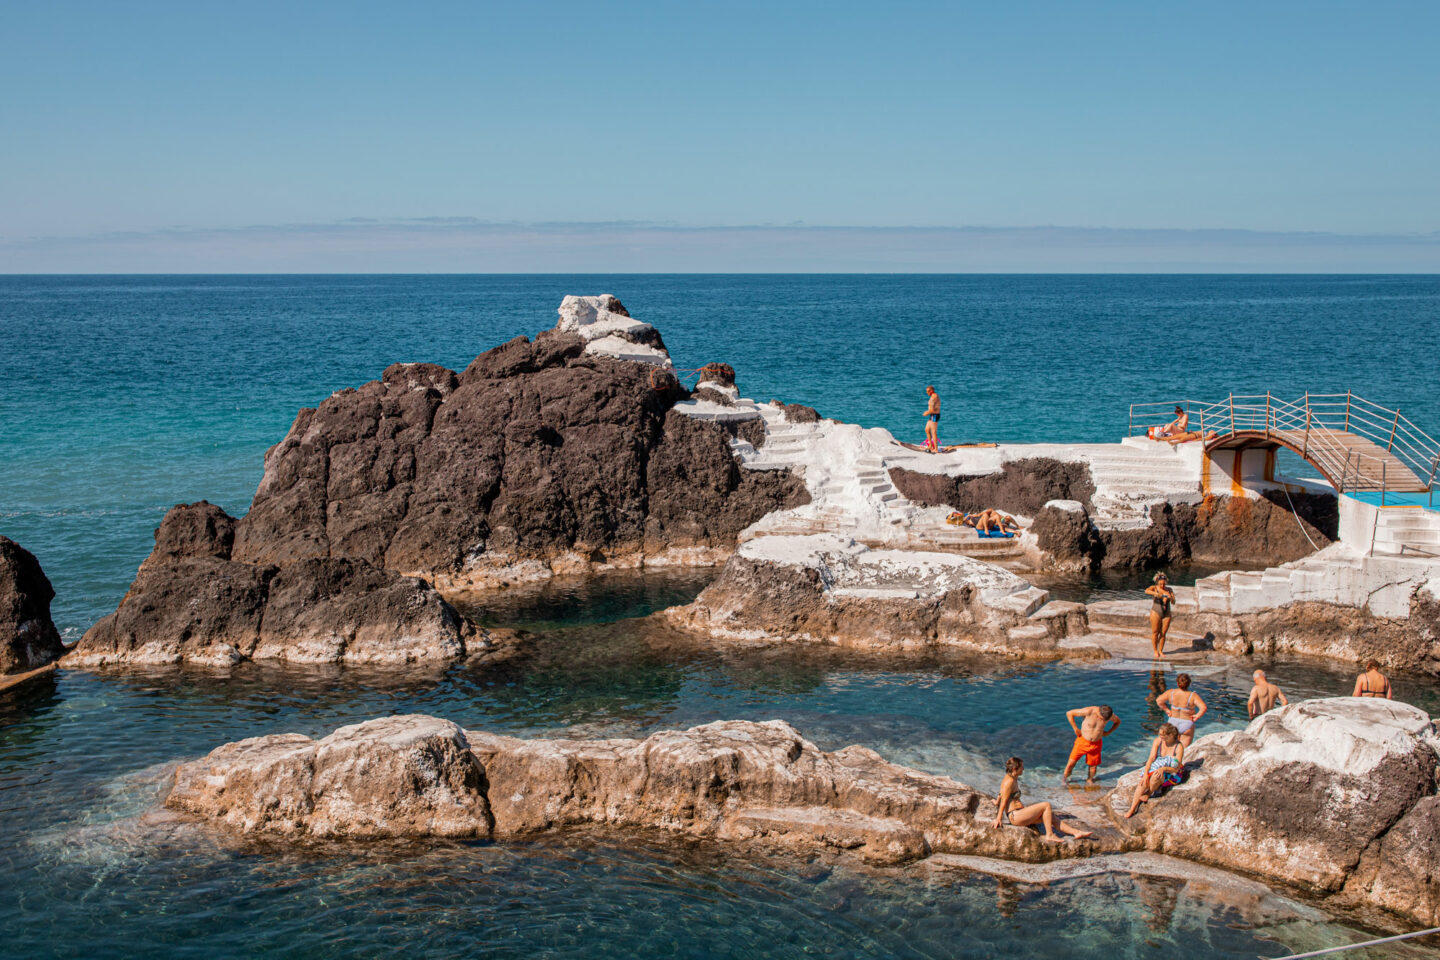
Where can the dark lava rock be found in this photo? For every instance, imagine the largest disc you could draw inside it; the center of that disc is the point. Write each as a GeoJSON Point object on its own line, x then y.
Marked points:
{"type": "Point", "coordinates": [191, 603]}
{"type": "Point", "coordinates": [28, 638]}
{"type": "Point", "coordinates": [1225, 530]}
{"type": "Point", "coordinates": [537, 454]}
{"type": "Point", "coordinates": [1021, 486]}
{"type": "Point", "coordinates": [536, 450]}
{"type": "Point", "coordinates": [799, 413]}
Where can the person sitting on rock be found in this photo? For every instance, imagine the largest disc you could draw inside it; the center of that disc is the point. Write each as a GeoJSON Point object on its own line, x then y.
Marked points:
{"type": "Point", "coordinates": [1184, 706]}
{"type": "Point", "coordinates": [1098, 723]}
{"type": "Point", "coordinates": [1263, 696]}
{"type": "Point", "coordinates": [1372, 683]}
{"type": "Point", "coordinates": [1164, 768]}
{"type": "Point", "coordinates": [1009, 808]}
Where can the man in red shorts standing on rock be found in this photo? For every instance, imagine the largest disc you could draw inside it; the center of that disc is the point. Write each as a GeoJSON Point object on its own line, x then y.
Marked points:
{"type": "Point", "coordinates": [1096, 723]}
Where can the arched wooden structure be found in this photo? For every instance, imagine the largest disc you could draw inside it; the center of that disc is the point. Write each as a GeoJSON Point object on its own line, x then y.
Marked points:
{"type": "Point", "coordinates": [1356, 445]}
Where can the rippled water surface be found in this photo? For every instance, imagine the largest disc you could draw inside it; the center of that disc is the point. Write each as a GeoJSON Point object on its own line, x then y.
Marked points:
{"type": "Point", "coordinates": [83, 759]}
{"type": "Point", "coordinates": [126, 395]}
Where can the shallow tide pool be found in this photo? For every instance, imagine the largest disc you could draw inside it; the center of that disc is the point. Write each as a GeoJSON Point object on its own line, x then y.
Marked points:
{"type": "Point", "coordinates": [83, 757]}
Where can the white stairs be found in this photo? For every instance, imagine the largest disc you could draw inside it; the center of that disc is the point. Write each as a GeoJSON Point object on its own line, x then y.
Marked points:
{"type": "Point", "coordinates": [1135, 476]}
{"type": "Point", "coordinates": [1407, 532]}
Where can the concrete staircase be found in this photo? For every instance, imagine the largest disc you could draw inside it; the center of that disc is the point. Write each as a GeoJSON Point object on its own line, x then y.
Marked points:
{"type": "Point", "coordinates": [1407, 532]}
{"type": "Point", "coordinates": [1380, 584]}
{"type": "Point", "coordinates": [1135, 476]}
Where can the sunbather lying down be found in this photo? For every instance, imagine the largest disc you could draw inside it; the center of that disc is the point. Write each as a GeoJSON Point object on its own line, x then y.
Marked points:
{"type": "Point", "coordinates": [991, 522]}
{"type": "Point", "coordinates": [1187, 437]}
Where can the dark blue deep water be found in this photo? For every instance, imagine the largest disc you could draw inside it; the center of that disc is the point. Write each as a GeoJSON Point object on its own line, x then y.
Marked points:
{"type": "Point", "coordinates": [122, 396]}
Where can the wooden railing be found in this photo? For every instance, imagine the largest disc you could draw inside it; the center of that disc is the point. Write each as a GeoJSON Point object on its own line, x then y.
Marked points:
{"type": "Point", "coordinates": [1310, 425]}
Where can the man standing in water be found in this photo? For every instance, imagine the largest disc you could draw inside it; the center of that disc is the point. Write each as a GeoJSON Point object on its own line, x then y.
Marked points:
{"type": "Point", "coordinates": [1263, 696]}
{"type": "Point", "coordinates": [932, 421]}
{"type": "Point", "coordinates": [1098, 723]}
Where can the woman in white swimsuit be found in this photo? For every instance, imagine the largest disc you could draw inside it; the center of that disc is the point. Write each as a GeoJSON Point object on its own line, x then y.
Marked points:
{"type": "Point", "coordinates": [1184, 706]}
{"type": "Point", "coordinates": [1009, 808]}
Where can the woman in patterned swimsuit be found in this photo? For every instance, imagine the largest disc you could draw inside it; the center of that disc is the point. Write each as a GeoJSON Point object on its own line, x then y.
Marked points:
{"type": "Point", "coordinates": [1165, 767]}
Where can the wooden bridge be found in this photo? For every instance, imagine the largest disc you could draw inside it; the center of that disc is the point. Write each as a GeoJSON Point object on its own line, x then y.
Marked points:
{"type": "Point", "coordinates": [1358, 446]}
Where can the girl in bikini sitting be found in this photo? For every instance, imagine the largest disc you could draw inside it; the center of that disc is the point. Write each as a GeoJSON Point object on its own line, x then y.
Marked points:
{"type": "Point", "coordinates": [1012, 810]}
{"type": "Point", "coordinates": [1164, 768]}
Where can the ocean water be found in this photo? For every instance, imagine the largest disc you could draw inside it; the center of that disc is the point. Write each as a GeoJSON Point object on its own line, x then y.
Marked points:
{"type": "Point", "coordinates": [125, 395]}
{"type": "Point", "coordinates": [89, 873]}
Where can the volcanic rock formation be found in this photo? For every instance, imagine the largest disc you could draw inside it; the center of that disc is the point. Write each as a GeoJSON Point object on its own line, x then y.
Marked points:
{"type": "Point", "coordinates": [558, 455]}
{"type": "Point", "coordinates": [192, 603]}
{"type": "Point", "coordinates": [28, 638]}
{"type": "Point", "coordinates": [1334, 796]}
{"type": "Point", "coordinates": [731, 780]}
{"type": "Point", "coordinates": [830, 589]}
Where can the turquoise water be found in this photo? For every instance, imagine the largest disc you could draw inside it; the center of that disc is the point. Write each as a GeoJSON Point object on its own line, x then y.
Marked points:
{"type": "Point", "coordinates": [125, 395]}
{"type": "Point", "coordinates": [83, 758]}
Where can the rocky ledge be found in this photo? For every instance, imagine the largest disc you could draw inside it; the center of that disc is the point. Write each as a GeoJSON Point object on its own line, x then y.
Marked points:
{"type": "Point", "coordinates": [28, 638]}
{"type": "Point", "coordinates": [559, 455]}
{"type": "Point", "coordinates": [1334, 796]}
{"type": "Point", "coordinates": [732, 780]}
{"type": "Point", "coordinates": [829, 589]}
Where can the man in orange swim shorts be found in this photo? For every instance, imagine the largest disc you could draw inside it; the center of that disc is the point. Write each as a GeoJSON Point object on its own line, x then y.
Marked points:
{"type": "Point", "coordinates": [1096, 723]}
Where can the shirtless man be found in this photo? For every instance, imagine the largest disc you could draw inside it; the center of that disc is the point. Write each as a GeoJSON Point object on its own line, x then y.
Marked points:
{"type": "Point", "coordinates": [1098, 723]}
{"type": "Point", "coordinates": [1263, 696]}
{"type": "Point", "coordinates": [932, 421]}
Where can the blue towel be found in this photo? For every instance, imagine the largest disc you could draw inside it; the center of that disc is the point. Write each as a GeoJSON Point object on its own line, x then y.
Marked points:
{"type": "Point", "coordinates": [994, 536]}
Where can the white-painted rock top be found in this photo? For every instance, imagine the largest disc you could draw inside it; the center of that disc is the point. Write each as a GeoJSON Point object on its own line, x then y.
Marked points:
{"type": "Point", "coordinates": [618, 347]}
{"type": "Point", "coordinates": [595, 317]}
{"type": "Point", "coordinates": [852, 568]}
{"type": "Point", "coordinates": [1350, 735]}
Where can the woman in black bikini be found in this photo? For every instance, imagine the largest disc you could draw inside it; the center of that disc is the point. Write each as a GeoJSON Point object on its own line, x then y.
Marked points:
{"type": "Point", "coordinates": [1372, 683]}
{"type": "Point", "coordinates": [1009, 808]}
{"type": "Point", "coordinates": [1160, 613]}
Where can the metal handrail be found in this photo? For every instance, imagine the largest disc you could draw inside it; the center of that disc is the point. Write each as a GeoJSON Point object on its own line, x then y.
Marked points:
{"type": "Point", "coordinates": [1312, 423]}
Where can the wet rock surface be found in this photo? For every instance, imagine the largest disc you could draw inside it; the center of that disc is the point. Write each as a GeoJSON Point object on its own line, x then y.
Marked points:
{"type": "Point", "coordinates": [28, 638]}
{"type": "Point", "coordinates": [417, 776]}
{"type": "Point", "coordinates": [1309, 795]}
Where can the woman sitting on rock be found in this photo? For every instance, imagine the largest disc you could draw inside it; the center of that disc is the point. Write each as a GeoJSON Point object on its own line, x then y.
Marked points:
{"type": "Point", "coordinates": [1372, 683]}
{"type": "Point", "coordinates": [1012, 810]}
{"type": "Point", "coordinates": [1164, 768]}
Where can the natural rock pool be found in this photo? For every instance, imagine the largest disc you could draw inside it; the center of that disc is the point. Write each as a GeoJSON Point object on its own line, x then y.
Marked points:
{"type": "Point", "coordinates": [92, 872]}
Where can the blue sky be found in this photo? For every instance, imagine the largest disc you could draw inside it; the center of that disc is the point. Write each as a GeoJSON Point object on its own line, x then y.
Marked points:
{"type": "Point", "coordinates": [355, 136]}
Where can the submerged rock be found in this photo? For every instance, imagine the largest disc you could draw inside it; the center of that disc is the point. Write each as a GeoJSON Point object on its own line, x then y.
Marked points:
{"type": "Point", "coordinates": [830, 589]}
{"type": "Point", "coordinates": [1311, 795]}
{"type": "Point", "coordinates": [28, 638]}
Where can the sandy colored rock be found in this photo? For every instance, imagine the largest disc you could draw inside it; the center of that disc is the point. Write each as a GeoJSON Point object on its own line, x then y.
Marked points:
{"type": "Point", "coordinates": [730, 780]}
{"type": "Point", "coordinates": [392, 777]}
{"type": "Point", "coordinates": [829, 589]}
{"type": "Point", "coordinates": [1299, 796]}
{"type": "Point", "coordinates": [28, 638]}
